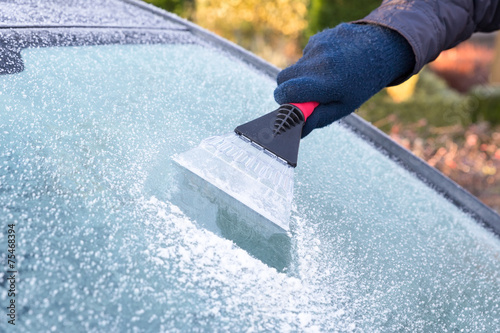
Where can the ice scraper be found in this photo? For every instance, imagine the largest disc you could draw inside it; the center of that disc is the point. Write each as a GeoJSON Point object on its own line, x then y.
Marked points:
{"type": "Point", "coordinates": [254, 165]}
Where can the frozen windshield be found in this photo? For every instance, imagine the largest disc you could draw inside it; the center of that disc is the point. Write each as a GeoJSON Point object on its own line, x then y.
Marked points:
{"type": "Point", "coordinates": [105, 240]}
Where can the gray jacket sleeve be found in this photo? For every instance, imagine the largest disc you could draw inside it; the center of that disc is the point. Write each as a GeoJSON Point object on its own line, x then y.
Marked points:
{"type": "Point", "coordinates": [431, 26]}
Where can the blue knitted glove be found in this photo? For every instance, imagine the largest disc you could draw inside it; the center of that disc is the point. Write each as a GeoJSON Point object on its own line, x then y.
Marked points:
{"type": "Point", "coordinates": [343, 67]}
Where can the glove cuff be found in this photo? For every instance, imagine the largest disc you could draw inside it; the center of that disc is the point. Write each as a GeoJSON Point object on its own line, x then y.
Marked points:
{"type": "Point", "coordinates": [396, 54]}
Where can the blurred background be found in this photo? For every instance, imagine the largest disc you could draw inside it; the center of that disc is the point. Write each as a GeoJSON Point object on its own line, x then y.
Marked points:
{"type": "Point", "coordinates": [449, 114]}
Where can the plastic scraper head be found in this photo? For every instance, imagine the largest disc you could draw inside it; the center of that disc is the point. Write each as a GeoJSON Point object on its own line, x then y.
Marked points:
{"type": "Point", "coordinates": [254, 166]}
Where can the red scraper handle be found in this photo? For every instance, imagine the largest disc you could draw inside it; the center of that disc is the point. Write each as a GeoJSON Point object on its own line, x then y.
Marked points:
{"type": "Point", "coordinates": [307, 108]}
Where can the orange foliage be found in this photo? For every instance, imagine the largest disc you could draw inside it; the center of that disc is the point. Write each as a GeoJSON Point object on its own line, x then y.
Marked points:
{"type": "Point", "coordinates": [472, 159]}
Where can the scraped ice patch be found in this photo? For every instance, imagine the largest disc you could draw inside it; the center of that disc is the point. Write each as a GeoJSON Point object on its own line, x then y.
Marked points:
{"type": "Point", "coordinates": [225, 278]}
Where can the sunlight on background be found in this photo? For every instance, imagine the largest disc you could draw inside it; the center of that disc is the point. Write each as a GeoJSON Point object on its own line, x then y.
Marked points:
{"type": "Point", "coordinates": [402, 92]}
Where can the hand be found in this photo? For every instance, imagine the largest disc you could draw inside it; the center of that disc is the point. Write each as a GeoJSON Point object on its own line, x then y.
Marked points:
{"type": "Point", "coordinates": [343, 67]}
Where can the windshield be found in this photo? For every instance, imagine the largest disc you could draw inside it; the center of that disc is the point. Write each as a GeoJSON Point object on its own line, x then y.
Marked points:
{"type": "Point", "coordinates": [87, 136]}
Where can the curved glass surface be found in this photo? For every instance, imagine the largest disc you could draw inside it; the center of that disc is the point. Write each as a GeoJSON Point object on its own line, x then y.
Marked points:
{"type": "Point", "coordinates": [105, 239]}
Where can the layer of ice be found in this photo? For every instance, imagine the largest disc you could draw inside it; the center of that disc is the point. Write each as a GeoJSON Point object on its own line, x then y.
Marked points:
{"type": "Point", "coordinates": [86, 136]}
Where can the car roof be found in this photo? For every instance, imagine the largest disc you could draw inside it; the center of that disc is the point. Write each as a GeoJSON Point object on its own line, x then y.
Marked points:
{"type": "Point", "coordinates": [79, 13]}
{"type": "Point", "coordinates": [138, 15]}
